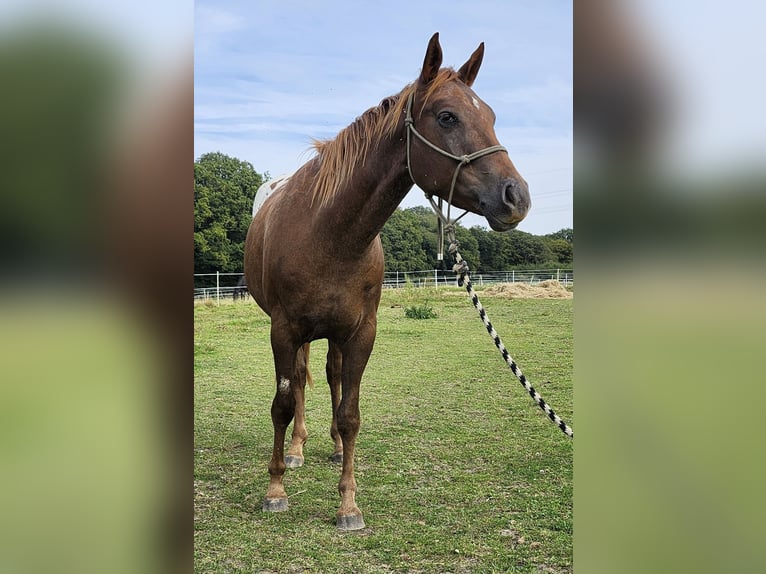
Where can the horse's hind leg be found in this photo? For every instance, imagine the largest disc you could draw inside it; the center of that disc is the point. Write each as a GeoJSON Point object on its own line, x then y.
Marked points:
{"type": "Point", "coordinates": [334, 364]}
{"type": "Point", "coordinates": [282, 411]}
{"type": "Point", "coordinates": [294, 457]}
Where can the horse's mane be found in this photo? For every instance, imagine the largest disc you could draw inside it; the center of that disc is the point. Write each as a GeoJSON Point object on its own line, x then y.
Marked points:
{"type": "Point", "coordinates": [339, 157]}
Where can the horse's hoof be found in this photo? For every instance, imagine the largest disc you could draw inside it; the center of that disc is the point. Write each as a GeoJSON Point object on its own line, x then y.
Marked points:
{"type": "Point", "coordinates": [275, 504]}
{"type": "Point", "coordinates": [292, 461]}
{"type": "Point", "coordinates": [337, 458]}
{"type": "Point", "coordinates": [350, 522]}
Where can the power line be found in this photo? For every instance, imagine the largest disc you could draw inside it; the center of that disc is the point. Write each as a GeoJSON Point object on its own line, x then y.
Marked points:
{"type": "Point", "coordinates": [550, 170]}
{"type": "Point", "coordinates": [552, 192]}
{"type": "Point", "coordinates": [553, 209]}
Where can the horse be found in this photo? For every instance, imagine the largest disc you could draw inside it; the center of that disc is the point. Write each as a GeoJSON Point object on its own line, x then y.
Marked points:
{"type": "Point", "coordinates": [313, 255]}
{"type": "Point", "coordinates": [240, 290]}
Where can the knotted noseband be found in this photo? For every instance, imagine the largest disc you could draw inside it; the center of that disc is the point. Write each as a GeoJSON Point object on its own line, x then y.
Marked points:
{"type": "Point", "coordinates": [409, 124]}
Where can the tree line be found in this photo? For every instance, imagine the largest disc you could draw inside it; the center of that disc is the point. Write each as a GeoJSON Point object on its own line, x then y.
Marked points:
{"type": "Point", "coordinates": [224, 188]}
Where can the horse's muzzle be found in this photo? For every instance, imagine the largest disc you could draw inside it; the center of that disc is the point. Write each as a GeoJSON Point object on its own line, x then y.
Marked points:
{"type": "Point", "coordinates": [511, 207]}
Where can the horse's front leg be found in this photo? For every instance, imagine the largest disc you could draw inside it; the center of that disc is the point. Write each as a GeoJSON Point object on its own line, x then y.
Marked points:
{"type": "Point", "coordinates": [282, 412]}
{"type": "Point", "coordinates": [355, 353]}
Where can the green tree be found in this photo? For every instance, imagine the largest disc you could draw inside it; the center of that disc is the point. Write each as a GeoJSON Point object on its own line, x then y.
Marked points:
{"type": "Point", "coordinates": [561, 249]}
{"type": "Point", "coordinates": [515, 249]}
{"type": "Point", "coordinates": [561, 244]}
{"type": "Point", "coordinates": [410, 241]}
{"type": "Point", "coordinates": [527, 249]}
{"type": "Point", "coordinates": [426, 220]}
{"type": "Point", "coordinates": [567, 234]}
{"type": "Point", "coordinates": [224, 189]}
{"type": "Point", "coordinates": [494, 249]}
{"type": "Point", "coordinates": [403, 238]}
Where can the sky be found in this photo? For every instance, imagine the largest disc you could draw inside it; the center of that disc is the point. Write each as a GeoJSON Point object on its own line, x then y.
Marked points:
{"type": "Point", "coordinates": [271, 76]}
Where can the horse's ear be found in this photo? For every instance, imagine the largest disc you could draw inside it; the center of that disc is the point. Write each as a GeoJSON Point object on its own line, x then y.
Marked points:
{"type": "Point", "coordinates": [432, 61]}
{"type": "Point", "coordinates": [470, 69]}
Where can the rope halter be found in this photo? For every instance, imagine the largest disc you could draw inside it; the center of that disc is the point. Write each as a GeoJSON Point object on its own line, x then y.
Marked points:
{"type": "Point", "coordinates": [443, 219]}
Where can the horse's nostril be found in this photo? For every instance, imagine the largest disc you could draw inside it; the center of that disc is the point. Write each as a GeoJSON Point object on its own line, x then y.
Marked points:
{"type": "Point", "coordinates": [512, 192]}
{"type": "Point", "coordinates": [517, 194]}
{"type": "Point", "coordinates": [509, 193]}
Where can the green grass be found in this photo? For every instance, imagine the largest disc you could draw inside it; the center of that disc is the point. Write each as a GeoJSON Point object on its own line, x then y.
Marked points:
{"type": "Point", "coordinates": [458, 470]}
{"type": "Point", "coordinates": [421, 311]}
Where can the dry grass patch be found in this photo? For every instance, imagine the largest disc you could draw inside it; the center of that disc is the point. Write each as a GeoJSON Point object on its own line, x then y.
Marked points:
{"type": "Point", "coordinates": [549, 289]}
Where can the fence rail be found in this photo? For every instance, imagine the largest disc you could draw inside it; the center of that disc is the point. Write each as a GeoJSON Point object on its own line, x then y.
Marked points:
{"type": "Point", "coordinates": [219, 286]}
{"type": "Point", "coordinates": [440, 277]}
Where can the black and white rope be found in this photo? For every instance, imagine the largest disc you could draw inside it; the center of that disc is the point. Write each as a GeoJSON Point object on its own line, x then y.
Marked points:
{"type": "Point", "coordinates": [446, 224]}
{"type": "Point", "coordinates": [464, 279]}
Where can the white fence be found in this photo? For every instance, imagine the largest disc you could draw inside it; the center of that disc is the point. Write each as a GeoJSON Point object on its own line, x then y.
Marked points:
{"type": "Point", "coordinates": [440, 277]}
{"type": "Point", "coordinates": [219, 286]}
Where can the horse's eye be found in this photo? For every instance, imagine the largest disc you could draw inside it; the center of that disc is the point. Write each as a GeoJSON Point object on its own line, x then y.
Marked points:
{"type": "Point", "coordinates": [447, 119]}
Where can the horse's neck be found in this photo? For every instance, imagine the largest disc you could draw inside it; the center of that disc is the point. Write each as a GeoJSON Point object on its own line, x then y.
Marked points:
{"type": "Point", "coordinates": [360, 210]}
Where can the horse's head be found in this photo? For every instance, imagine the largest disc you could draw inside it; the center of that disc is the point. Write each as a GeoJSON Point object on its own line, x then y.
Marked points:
{"type": "Point", "coordinates": [469, 164]}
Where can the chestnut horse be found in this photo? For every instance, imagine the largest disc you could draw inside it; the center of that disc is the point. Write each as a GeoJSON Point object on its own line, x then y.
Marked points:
{"type": "Point", "coordinates": [313, 256]}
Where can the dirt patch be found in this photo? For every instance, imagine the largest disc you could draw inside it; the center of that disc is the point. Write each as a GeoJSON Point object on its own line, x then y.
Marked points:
{"type": "Point", "coordinates": [550, 289]}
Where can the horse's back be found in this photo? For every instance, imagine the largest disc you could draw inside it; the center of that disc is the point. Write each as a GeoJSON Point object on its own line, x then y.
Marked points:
{"type": "Point", "coordinates": [267, 190]}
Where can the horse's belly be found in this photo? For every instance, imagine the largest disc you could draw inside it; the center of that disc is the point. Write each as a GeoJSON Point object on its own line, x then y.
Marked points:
{"type": "Point", "coordinates": [331, 309]}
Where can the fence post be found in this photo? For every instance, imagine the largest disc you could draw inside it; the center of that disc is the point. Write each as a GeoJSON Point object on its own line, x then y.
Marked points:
{"type": "Point", "coordinates": [217, 287]}
{"type": "Point", "coordinates": [557, 274]}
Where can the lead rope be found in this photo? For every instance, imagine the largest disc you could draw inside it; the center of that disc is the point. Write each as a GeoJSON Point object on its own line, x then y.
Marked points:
{"type": "Point", "coordinates": [464, 279]}
{"type": "Point", "coordinates": [461, 267]}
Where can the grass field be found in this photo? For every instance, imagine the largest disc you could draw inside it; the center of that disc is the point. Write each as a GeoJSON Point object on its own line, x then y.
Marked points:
{"type": "Point", "coordinates": [458, 470]}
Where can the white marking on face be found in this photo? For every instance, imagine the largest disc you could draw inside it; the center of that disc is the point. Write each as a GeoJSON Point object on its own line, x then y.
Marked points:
{"type": "Point", "coordinates": [476, 103]}
{"type": "Point", "coordinates": [284, 385]}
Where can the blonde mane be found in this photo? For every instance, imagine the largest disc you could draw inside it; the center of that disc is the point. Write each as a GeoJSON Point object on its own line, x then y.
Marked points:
{"type": "Point", "coordinates": [339, 157]}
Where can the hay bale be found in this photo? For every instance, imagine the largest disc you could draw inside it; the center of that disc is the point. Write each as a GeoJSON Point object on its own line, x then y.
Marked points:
{"type": "Point", "coordinates": [549, 289]}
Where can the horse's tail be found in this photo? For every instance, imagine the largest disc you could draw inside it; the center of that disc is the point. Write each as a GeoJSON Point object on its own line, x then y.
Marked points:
{"type": "Point", "coordinates": [309, 378]}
